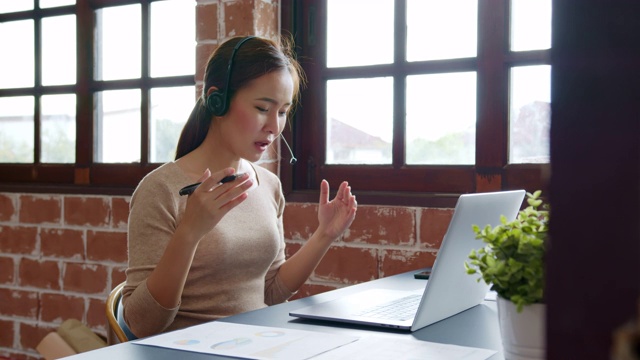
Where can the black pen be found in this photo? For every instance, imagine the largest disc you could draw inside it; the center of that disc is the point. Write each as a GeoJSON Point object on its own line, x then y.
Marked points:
{"type": "Point", "coordinates": [187, 190]}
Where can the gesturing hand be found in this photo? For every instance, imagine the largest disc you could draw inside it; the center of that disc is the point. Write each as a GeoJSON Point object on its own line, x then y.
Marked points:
{"type": "Point", "coordinates": [211, 201]}
{"type": "Point", "coordinates": [336, 216]}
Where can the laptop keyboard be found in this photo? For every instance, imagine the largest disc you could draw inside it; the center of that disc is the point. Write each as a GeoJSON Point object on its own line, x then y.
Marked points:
{"type": "Point", "coordinates": [399, 309]}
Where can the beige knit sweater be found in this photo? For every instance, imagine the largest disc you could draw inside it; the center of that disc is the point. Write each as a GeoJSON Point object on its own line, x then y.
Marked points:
{"type": "Point", "coordinates": [235, 268]}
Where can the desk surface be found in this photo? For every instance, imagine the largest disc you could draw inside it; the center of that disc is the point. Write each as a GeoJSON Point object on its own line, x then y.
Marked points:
{"type": "Point", "coordinates": [476, 327]}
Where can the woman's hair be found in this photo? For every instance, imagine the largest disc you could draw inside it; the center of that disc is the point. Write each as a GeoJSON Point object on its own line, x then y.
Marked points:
{"type": "Point", "coordinates": [256, 57]}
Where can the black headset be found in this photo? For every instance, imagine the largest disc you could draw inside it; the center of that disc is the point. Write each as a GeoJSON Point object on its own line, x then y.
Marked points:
{"type": "Point", "coordinates": [218, 101]}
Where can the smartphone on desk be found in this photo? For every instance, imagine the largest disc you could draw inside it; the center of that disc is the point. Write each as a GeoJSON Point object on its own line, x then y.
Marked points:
{"type": "Point", "coordinates": [424, 275]}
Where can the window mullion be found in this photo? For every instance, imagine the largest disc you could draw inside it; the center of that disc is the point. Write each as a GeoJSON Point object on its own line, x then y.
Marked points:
{"type": "Point", "coordinates": [399, 81]}
{"type": "Point", "coordinates": [310, 138]}
{"type": "Point", "coordinates": [145, 102]}
{"type": "Point", "coordinates": [492, 83]}
{"type": "Point", "coordinates": [85, 20]}
{"type": "Point", "coordinates": [37, 43]}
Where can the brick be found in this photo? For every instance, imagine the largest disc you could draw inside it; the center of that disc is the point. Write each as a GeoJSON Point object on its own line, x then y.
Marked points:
{"type": "Point", "coordinates": [486, 183]}
{"type": "Point", "coordinates": [348, 265]}
{"type": "Point", "coordinates": [39, 209]}
{"type": "Point", "coordinates": [399, 261]}
{"type": "Point", "coordinates": [383, 225]}
{"type": "Point", "coordinates": [267, 14]}
{"type": "Point", "coordinates": [18, 303]}
{"type": "Point", "coordinates": [107, 246]}
{"type": "Point", "coordinates": [203, 52]}
{"type": "Point", "coordinates": [238, 18]}
{"type": "Point", "coordinates": [7, 208]}
{"type": "Point", "coordinates": [96, 318]}
{"type": "Point", "coordinates": [120, 212]}
{"type": "Point", "coordinates": [15, 355]}
{"type": "Point", "coordinates": [18, 239]}
{"type": "Point", "coordinates": [62, 243]}
{"type": "Point", "coordinates": [6, 335]}
{"type": "Point", "coordinates": [31, 335]}
{"type": "Point", "coordinates": [433, 225]}
{"type": "Point", "coordinates": [7, 270]}
{"type": "Point", "coordinates": [57, 308]}
{"type": "Point", "coordinates": [85, 279]}
{"type": "Point", "coordinates": [118, 275]}
{"type": "Point", "coordinates": [39, 274]}
{"type": "Point", "coordinates": [207, 22]}
{"type": "Point", "coordinates": [291, 248]}
{"type": "Point", "coordinates": [301, 220]}
{"type": "Point", "coordinates": [87, 211]}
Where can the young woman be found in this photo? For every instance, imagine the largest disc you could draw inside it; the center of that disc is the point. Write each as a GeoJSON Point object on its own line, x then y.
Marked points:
{"type": "Point", "coordinates": [220, 251]}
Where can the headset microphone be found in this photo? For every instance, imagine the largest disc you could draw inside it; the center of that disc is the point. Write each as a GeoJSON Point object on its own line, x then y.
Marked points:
{"type": "Point", "coordinates": [293, 158]}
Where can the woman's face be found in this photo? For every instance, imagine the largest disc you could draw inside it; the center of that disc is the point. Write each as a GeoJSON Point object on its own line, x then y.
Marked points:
{"type": "Point", "coordinates": [257, 114]}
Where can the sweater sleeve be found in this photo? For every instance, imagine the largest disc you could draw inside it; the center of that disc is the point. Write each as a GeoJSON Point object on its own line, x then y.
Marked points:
{"type": "Point", "coordinates": [275, 291]}
{"type": "Point", "coordinates": [152, 222]}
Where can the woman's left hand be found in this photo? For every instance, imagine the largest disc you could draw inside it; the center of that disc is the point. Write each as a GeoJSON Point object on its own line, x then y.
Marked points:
{"type": "Point", "coordinates": [336, 216]}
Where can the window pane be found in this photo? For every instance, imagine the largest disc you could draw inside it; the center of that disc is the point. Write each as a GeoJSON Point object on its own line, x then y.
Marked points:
{"type": "Point", "coordinates": [16, 38]}
{"type": "Point", "coordinates": [354, 38]}
{"type": "Point", "coordinates": [441, 29]}
{"type": "Point", "coordinates": [441, 119]}
{"type": "Point", "coordinates": [9, 6]}
{"type": "Point", "coordinates": [58, 129]}
{"type": "Point", "coordinates": [118, 43]}
{"type": "Point", "coordinates": [170, 108]}
{"type": "Point", "coordinates": [59, 50]}
{"type": "Point", "coordinates": [359, 121]}
{"type": "Point", "coordinates": [16, 129]}
{"type": "Point", "coordinates": [530, 25]}
{"type": "Point", "coordinates": [55, 3]}
{"type": "Point", "coordinates": [530, 114]}
{"type": "Point", "coordinates": [118, 126]}
{"type": "Point", "coordinates": [173, 48]}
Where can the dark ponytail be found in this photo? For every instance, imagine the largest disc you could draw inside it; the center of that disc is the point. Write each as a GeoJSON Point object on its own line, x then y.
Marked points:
{"type": "Point", "coordinates": [194, 130]}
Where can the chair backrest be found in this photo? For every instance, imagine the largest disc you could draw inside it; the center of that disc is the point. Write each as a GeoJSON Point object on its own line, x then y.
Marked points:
{"type": "Point", "coordinates": [112, 310]}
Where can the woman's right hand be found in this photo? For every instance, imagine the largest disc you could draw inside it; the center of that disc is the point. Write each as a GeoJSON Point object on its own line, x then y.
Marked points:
{"type": "Point", "coordinates": [211, 201]}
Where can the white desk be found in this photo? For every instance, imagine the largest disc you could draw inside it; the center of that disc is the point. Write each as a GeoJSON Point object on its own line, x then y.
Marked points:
{"type": "Point", "coordinates": [476, 327]}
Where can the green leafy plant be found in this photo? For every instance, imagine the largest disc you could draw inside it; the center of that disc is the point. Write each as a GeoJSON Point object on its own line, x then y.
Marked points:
{"type": "Point", "coordinates": [512, 261]}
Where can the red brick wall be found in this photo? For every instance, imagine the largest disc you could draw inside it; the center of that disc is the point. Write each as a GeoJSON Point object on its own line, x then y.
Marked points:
{"type": "Point", "coordinates": [382, 241]}
{"type": "Point", "coordinates": [60, 255]}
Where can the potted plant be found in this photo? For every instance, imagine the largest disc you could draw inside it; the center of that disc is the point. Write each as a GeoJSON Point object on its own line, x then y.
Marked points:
{"type": "Point", "coordinates": [512, 262]}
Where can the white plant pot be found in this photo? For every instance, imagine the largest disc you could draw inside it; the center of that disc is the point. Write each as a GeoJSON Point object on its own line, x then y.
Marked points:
{"type": "Point", "coordinates": [523, 334]}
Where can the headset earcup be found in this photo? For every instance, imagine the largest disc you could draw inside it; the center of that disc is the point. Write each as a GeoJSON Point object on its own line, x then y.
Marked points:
{"type": "Point", "coordinates": [216, 103]}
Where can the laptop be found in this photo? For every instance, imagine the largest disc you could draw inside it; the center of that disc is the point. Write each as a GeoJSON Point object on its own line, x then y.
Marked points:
{"type": "Point", "coordinates": [449, 290]}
